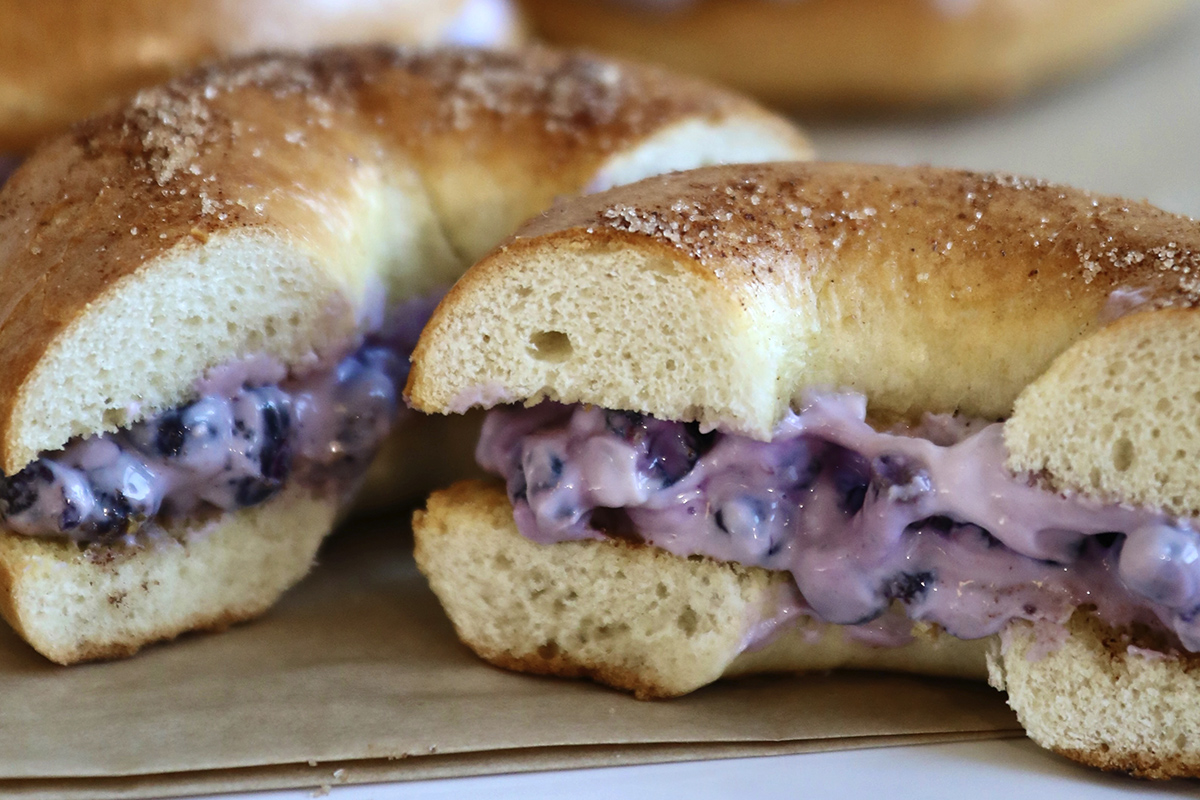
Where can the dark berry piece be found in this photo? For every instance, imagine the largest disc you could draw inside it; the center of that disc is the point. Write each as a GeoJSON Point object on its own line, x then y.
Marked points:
{"type": "Point", "coordinates": [518, 488]}
{"type": "Point", "coordinates": [111, 517]}
{"type": "Point", "coordinates": [851, 477]}
{"type": "Point", "coordinates": [800, 465]}
{"type": "Point", "coordinates": [672, 450]}
{"type": "Point", "coordinates": [623, 423]}
{"type": "Point", "coordinates": [543, 469]}
{"type": "Point", "coordinates": [909, 587]}
{"type": "Point", "coordinates": [71, 515]}
{"type": "Point", "coordinates": [616, 524]}
{"type": "Point", "coordinates": [19, 493]}
{"type": "Point", "coordinates": [171, 434]}
{"type": "Point", "coordinates": [275, 453]}
{"type": "Point", "coordinates": [852, 497]}
{"type": "Point", "coordinates": [250, 491]}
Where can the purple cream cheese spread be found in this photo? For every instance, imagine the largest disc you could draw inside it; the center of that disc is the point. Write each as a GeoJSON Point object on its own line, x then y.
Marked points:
{"type": "Point", "coordinates": [925, 517]}
{"type": "Point", "coordinates": [251, 428]}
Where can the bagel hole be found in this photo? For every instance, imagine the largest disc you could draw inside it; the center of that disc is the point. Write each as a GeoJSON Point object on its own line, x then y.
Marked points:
{"type": "Point", "coordinates": [553, 346]}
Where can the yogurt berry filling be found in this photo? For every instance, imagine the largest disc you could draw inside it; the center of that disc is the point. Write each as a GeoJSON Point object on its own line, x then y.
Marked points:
{"type": "Point", "coordinates": [927, 518]}
{"type": "Point", "coordinates": [252, 428]}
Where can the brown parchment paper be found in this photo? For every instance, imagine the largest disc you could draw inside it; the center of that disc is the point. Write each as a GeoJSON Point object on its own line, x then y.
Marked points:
{"type": "Point", "coordinates": [357, 676]}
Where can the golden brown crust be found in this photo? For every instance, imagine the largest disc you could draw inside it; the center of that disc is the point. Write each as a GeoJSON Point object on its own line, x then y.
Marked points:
{"type": "Point", "coordinates": [1140, 765]}
{"type": "Point", "coordinates": [862, 53]}
{"type": "Point", "coordinates": [926, 289]}
{"type": "Point", "coordinates": [739, 222]}
{"type": "Point", "coordinates": [64, 60]}
{"type": "Point", "coordinates": [274, 145]}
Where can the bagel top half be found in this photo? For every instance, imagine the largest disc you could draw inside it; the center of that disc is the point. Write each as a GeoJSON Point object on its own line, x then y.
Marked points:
{"type": "Point", "coordinates": [63, 60]}
{"type": "Point", "coordinates": [266, 205]}
{"type": "Point", "coordinates": [724, 294]}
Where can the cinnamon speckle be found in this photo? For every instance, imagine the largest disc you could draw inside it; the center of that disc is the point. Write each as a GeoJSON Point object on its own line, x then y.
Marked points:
{"type": "Point", "coordinates": [755, 215]}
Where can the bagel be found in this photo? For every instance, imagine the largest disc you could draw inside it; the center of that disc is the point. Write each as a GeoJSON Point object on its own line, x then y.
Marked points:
{"type": "Point", "coordinates": [861, 54]}
{"type": "Point", "coordinates": [863, 397]}
{"type": "Point", "coordinates": [64, 60]}
{"type": "Point", "coordinates": [211, 292]}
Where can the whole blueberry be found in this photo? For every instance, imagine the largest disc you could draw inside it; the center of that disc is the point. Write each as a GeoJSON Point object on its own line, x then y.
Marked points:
{"type": "Point", "coordinates": [1161, 562]}
{"type": "Point", "coordinates": [366, 404]}
{"type": "Point", "coordinates": [672, 450]}
{"type": "Point", "coordinates": [747, 519]}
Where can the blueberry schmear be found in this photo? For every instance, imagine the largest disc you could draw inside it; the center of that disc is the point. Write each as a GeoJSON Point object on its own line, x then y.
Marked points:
{"type": "Point", "coordinates": [210, 295]}
{"type": "Point", "coordinates": [791, 416]}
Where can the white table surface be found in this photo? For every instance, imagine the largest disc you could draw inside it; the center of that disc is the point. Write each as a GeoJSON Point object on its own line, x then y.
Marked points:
{"type": "Point", "coordinates": [1133, 130]}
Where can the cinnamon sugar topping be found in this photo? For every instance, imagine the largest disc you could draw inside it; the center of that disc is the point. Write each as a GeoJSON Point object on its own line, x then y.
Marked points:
{"type": "Point", "coordinates": [760, 213]}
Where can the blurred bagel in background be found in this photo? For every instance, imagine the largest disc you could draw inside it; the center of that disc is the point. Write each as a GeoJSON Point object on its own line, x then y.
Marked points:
{"type": "Point", "coordinates": [855, 55]}
{"type": "Point", "coordinates": [63, 60]}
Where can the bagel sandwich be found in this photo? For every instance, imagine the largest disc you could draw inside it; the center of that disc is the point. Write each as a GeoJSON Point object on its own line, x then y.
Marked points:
{"type": "Point", "coordinates": [65, 60]}
{"type": "Point", "coordinates": [856, 55]}
{"type": "Point", "coordinates": [789, 417]}
{"type": "Point", "coordinates": [211, 292]}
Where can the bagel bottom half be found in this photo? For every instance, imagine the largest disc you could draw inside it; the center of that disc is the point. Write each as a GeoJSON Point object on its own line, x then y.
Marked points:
{"type": "Point", "coordinates": [1112, 699]}
{"type": "Point", "coordinates": [75, 603]}
{"type": "Point", "coordinates": [658, 625]}
{"type": "Point", "coordinates": [631, 616]}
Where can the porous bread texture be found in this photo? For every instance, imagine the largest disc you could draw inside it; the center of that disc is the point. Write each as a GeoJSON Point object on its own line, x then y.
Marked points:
{"type": "Point", "coordinates": [1116, 416]}
{"type": "Point", "coordinates": [621, 327]}
{"type": "Point", "coordinates": [262, 205]}
{"type": "Point", "coordinates": [1102, 699]}
{"type": "Point", "coordinates": [856, 54]}
{"type": "Point", "coordinates": [724, 295]}
{"type": "Point", "coordinates": [630, 616]}
{"type": "Point", "coordinates": [80, 604]}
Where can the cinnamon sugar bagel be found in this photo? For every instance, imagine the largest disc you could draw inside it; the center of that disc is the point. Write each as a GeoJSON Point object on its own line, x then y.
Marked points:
{"type": "Point", "coordinates": [907, 406]}
{"type": "Point", "coordinates": [63, 60]}
{"type": "Point", "coordinates": [855, 54]}
{"type": "Point", "coordinates": [212, 290]}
